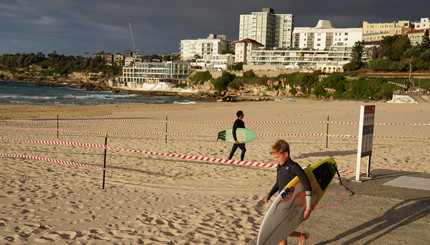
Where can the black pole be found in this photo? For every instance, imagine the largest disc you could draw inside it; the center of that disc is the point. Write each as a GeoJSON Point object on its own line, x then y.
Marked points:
{"type": "Point", "coordinates": [104, 164]}
{"type": "Point", "coordinates": [166, 130]}
{"type": "Point", "coordinates": [58, 127]}
{"type": "Point", "coordinates": [326, 137]}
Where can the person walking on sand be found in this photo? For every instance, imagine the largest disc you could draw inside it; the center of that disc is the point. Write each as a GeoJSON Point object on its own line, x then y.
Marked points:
{"type": "Point", "coordinates": [287, 169]}
{"type": "Point", "coordinates": [238, 124]}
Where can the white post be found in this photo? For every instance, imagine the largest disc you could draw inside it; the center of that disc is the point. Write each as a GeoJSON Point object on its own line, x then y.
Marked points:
{"type": "Point", "coordinates": [360, 142]}
{"type": "Point", "coordinates": [365, 138]}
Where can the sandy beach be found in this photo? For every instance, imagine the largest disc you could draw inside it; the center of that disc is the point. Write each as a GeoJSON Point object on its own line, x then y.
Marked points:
{"type": "Point", "coordinates": [154, 199]}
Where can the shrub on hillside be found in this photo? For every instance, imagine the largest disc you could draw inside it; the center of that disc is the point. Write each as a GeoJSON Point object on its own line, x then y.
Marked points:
{"type": "Point", "coordinates": [222, 82]}
{"type": "Point", "coordinates": [201, 77]}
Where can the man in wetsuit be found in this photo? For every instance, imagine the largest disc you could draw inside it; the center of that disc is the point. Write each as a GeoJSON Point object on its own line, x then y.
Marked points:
{"type": "Point", "coordinates": [286, 171]}
{"type": "Point", "coordinates": [238, 124]}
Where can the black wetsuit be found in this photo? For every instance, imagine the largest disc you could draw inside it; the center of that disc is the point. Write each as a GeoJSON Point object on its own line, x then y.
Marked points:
{"type": "Point", "coordinates": [237, 124]}
{"type": "Point", "coordinates": [287, 172]}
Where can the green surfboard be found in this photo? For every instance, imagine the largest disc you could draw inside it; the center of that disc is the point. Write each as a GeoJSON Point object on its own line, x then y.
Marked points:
{"type": "Point", "coordinates": [243, 135]}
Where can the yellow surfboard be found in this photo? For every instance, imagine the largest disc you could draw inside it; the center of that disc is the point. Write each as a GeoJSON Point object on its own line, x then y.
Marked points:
{"type": "Point", "coordinates": [286, 212]}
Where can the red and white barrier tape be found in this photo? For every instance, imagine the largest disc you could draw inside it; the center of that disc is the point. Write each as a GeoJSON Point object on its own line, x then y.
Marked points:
{"type": "Point", "coordinates": [55, 142]}
{"type": "Point", "coordinates": [52, 160]}
{"type": "Point", "coordinates": [208, 159]}
{"type": "Point", "coordinates": [211, 135]}
{"type": "Point", "coordinates": [215, 122]}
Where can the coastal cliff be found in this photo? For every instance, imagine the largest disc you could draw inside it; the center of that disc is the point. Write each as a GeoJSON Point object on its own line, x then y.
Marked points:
{"type": "Point", "coordinates": [94, 82]}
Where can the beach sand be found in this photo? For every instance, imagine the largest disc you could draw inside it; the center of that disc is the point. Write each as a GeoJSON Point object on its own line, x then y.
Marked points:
{"type": "Point", "coordinates": [151, 199]}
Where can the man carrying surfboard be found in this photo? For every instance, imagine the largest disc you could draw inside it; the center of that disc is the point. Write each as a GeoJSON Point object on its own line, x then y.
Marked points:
{"type": "Point", "coordinates": [238, 124]}
{"type": "Point", "coordinates": [287, 169]}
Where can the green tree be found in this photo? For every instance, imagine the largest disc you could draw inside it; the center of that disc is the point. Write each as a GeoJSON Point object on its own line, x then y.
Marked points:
{"type": "Point", "coordinates": [222, 82]}
{"type": "Point", "coordinates": [425, 43]}
{"type": "Point", "coordinates": [356, 57]}
{"type": "Point", "coordinates": [237, 66]}
{"type": "Point", "coordinates": [393, 47]}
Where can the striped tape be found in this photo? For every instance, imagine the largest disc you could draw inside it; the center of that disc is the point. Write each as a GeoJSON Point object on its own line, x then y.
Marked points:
{"type": "Point", "coordinates": [189, 157]}
{"type": "Point", "coordinates": [52, 160]}
{"type": "Point", "coordinates": [214, 122]}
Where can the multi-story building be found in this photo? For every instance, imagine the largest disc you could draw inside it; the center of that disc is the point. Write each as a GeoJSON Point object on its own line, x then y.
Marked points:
{"type": "Point", "coordinates": [331, 60]}
{"type": "Point", "coordinates": [267, 28]}
{"type": "Point", "coordinates": [214, 44]}
{"type": "Point", "coordinates": [118, 58]}
{"type": "Point", "coordinates": [422, 25]}
{"type": "Point", "coordinates": [108, 57]}
{"type": "Point", "coordinates": [324, 35]}
{"type": "Point", "coordinates": [243, 47]}
{"type": "Point", "coordinates": [128, 53]}
{"type": "Point", "coordinates": [138, 72]}
{"type": "Point", "coordinates": [416, 36]}
{"type": "Point", "coordinates": [375, 32]}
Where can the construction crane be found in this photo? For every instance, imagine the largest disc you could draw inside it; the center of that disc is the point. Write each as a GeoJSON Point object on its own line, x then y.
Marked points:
{"type": "Point", "coordinates": [132, 38]}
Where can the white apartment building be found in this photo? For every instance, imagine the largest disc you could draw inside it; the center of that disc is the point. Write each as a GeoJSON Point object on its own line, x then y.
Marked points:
{"type": "Point", "coordinates": [214, 62]}
{"type": "Point", "coordinates": [138, 72]}
{"type": "Point", "coordinates": [243, 47]}
{"type": "Point", "coordinates": [267, 28]}
{"type": "Point", "coordinates": [331, 60]}
{"type": "Point", "coordinates": [213, 44]}
{"type": "Point", "coordinates": [324, 35]}
{"type": "Point", "coordinates": [422, 25]}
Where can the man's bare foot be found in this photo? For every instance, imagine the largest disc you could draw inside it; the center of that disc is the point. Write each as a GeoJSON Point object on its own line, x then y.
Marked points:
{"type": "Point", "coordinates": [303, 238]}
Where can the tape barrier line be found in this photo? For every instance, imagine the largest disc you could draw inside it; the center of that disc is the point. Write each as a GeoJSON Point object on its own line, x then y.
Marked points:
{"type": "Point", "coordinates": [55, 142]}
{"type": "Point", "coordinates": [211, 135]}
{"type": "Point", "coordinates": [52, 160]}
{"type": "Point", "coordinates": [211, 159]}
{"type": "Point", "coordinates": [215, 122]}
{"type": "Point", "coordinates": [200, 158]}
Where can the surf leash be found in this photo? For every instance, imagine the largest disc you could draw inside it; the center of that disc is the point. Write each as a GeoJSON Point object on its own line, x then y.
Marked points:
{"type": "Point", "coordinates": [344, 194]}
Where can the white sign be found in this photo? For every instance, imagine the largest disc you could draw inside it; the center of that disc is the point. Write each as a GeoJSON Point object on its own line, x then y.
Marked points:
{"type": "Point", "coordinates": [365, 137]}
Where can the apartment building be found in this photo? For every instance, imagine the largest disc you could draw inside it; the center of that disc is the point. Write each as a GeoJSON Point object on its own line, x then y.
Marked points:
{"type": "Point", "coordinates": [323, 36]}
{"type": "Point", "coordinates": [213, 44]}
{"type": "Point", "coordinates": [108, 57]}
{"type": "Point", "coordinates": [118, 58]}
{"type": "Point", "coordinates": [328, 61]}
{"type": "Point", "coordinates": [375, 32]}
{"type": "Point", "coordinates": [243, 47]}
{"type": "Point", "coordinates": [267, 28]}
{"type": "Point", "coordinates": [416, 36]}
{"type": "Point", "coordinates": [138, 72]}
{"type": "Point", "coordinates": [422, 25]}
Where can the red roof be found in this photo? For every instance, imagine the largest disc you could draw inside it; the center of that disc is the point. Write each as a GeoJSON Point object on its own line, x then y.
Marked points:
{"type": "Point", "coordinates": [415, 31]}
{"type": "Point", "coordinates": [248, 40]}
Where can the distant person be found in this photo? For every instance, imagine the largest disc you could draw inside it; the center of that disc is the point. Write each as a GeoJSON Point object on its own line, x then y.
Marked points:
{"type": "Point", "coordinates": [238, 124]}
{"type": "Point", "coordinates": [286, 171]}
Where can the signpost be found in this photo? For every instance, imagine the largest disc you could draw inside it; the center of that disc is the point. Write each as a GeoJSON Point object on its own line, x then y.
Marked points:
{"type": "Point", "coordinates": [365, 138]}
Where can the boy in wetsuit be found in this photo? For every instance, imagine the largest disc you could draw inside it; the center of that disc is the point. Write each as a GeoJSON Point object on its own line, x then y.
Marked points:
{"type": "Point", "coordinates": [288, 169]}
{"type": "Point", "coordinates": [238, 124]}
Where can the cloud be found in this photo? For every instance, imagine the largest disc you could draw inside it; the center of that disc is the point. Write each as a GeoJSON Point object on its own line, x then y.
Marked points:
{"type": "Point", "coordinates": [78, 26]}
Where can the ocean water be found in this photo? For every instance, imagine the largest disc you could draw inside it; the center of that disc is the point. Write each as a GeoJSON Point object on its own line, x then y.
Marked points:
{"type": "Point", "coordinates": [30, 93]}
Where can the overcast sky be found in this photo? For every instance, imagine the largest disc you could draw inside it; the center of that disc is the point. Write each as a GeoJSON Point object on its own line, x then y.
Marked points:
{"type": "Point", "coordinates": [73, 27]}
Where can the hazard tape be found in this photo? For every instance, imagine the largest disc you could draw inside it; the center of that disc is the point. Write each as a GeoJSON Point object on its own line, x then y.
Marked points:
{"type": "Point", "coordinates": [52, 160]}
{"type": "Point", "coordinates": [211, 135]}
{"type": "Point", "coordinates": [55, 142]}
{"type": "Point", "coordinates": [200, 158]}
{"type": "Point", "coordinates": [211, 159]}
{"type": "Point", "coordinates": [215, 122]}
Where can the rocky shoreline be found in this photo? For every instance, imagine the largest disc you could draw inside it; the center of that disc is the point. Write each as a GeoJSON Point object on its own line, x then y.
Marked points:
{"type": "Point", "coordinates": [102, 85]}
